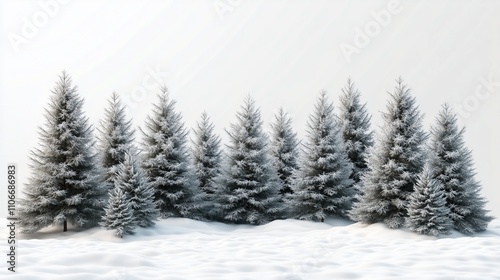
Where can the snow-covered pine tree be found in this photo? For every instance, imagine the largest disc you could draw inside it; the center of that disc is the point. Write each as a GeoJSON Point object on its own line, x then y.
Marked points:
{"type": "Point", "coordinates": [427, 210]}
{"type": "Point", "coordinates": [394, 163]}
{"type": "Point", "coordinates": [249, 188]}
{"type": "Point", "coordinates": [166, 161]}
{"type": "Point", "coordinates": [322, 186]}
{"type": "Point", "coordinates": [116, 138]}
{"type": "Point", "coordinates": [354, 121]}
{"type": "Point", "coordinates": [453, 166]}
{"type": "Point", "coordinates": [118, 213]}
{"type": "Point", "coordinates": [65, 183]}
{"type": "Point", "coordinates": [139, 193]}
{"type": "Point", "coordinates": [284, 150]}
{"type": "Point", "coordinates": [207, 154]}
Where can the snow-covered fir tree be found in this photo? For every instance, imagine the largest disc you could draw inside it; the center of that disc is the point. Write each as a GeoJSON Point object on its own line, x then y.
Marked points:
{"type": "Point", "coordinates": [427, 210]}
{"type": "Point", "coordinates": [284, 150]}
{"type": "Point", "coordinates": [207, 154]}
{"type": "Point", "coordinates": [115, 139]}
{"type": "Point", "coordinates": [64, 186]}
{"type": "Point", "coordinates": [139, 193]}
{"type": "Point", "coordinates": [322, 186]}
{"type": "Point", "coordinates": [453, 166]}
{"type": "Point", "coordinates": [394, 163]}
{"type": "Point", "coordinates": [166, 161]}
{"type": "Point", "coordinates": [249, 188]}
{"type": "Point", "coordinates": [118, 213]}
{"type": "Point", "coordinates": [354, 121]}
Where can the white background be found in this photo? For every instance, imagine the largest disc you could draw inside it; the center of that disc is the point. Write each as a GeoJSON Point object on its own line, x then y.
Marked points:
{"type": "Point", "coordinates": [211, 54]}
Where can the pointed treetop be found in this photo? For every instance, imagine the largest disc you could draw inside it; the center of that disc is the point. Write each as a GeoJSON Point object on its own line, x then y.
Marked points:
{"type": "Point", "coordinates": [164, 89]}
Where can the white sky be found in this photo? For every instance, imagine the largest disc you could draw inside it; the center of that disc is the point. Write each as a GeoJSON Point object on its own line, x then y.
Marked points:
{"type": "Point", "coordinates": [282, 53]}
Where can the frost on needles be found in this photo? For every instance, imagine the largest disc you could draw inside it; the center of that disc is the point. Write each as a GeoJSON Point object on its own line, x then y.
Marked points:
{"type": "Point", "coordinates": [322, 186]}
{"type": "Point", "coordinates": [166, 161]}
{"type": "Point", "coordinates": [452, 166]}
{"type": "Point", "coordinates": [354, 121]}
{"type": "Point", "coordinates": [284, 150]}
{"type": "Point", "coordinates": [394, 163]}
{"type": "Point", "coordinates": [65, 186]}
{"type": "Point", "coordinates": [248, 191]}
{"type": "Point", "coordinates": [119, 215]}
{"type": "Point", "coordinates": [207, 155]}
{"type": "Point", "coordinates": [341, 171]}
{"type": "Point", "coordinates": [139, 192]}
{"type": "Point", "coordinates": [427, 210]}
{"type": "Point", "coordinates": [131, 193]}
{"type": "Point", "coordinates": [115, 139]}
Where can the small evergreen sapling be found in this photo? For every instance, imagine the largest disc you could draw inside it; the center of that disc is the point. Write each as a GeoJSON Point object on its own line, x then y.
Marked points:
{"type": "Point", "coordinates": [138, 192]}
{"type": "Point", "coordinates": [453, 166]}
{"type": "Point", "coordinates": [322, 186]}
{"type": "Point", "coordinates": [119, 214]}
{"type": "Point", "coordinates": [427, 209]}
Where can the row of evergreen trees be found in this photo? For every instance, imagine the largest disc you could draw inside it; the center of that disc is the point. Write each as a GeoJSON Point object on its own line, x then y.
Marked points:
{"type": "Point", "coordinates": [398, 178]}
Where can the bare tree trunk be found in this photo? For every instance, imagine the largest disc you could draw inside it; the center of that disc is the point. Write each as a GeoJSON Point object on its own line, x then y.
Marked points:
{"type": "Point", "coordinates": [65, 225]}
{"type": "Point", "coordinates": [322, 220]}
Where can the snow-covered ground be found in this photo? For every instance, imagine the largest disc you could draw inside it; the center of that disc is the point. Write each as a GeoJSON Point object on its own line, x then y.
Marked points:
{"type": "Point", "coordinates": [287, 249]}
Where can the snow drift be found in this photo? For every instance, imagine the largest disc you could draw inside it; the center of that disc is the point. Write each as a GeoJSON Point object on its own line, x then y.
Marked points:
{"type": "Point", "coordinates": [178, 248]}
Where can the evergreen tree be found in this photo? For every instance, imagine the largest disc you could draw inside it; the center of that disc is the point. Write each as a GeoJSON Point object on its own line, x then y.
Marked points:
{"type": "Point", "coordinates": [427, 210]}
{"type": "Point", "coordinates": [138, 192]}
{"type": "Point", "coordinates": [354, 121]}
{"type": "Point", "coordinates": [394, 163]}
{"type": "Point", "coordinates": [116, 138]}
{"type": "Point", "coordinates": [453, 166]}
{"type": "Point", "coordinates": [207, 157]}
{"type": "Point", "coordinates": [166, 161]}
{"type": "Point", "coordinates": [249, 187]}
{"type": "Point", "coordinates": [322, 186]}
{"type": "Point", "coordinates": [65, 182]}
{"type": "Point", "coordinates": [284, 150]}
{"type": "Point", "coordinates": [118, 214]}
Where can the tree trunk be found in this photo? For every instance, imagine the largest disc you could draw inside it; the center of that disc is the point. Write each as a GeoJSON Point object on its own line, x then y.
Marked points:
{"type": "Point", "coordinates": [322, 220]}
{"type": "Point", "coordinates": [65, 225]}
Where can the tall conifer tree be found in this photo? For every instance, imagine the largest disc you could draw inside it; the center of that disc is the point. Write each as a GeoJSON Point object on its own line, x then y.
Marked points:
{"type": "Point", "coordinates": [394, 163]}
{"type": "Point", "coordinates": [284, 150]}
{"type": "Point", "coordinates": [65, 184]}
{"type": "Point", "coordinates": [166, 161]}
{"type": "Point", "coordinates": [354, 121]}
{"type": "Point", "coordinates": [322, 186]}
{"type": "Point", "coordinates": [453, 167]}
{"type": "Point", "coordinates": [207, 155]}
{"type": "Point", "coordinates": [115, 140]}
{"type": "Point", "coordinates": [249, 190]}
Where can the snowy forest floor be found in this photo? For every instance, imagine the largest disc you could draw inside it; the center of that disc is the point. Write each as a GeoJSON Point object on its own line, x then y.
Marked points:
{"type": "Point", "coordinates": [179, 248]}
